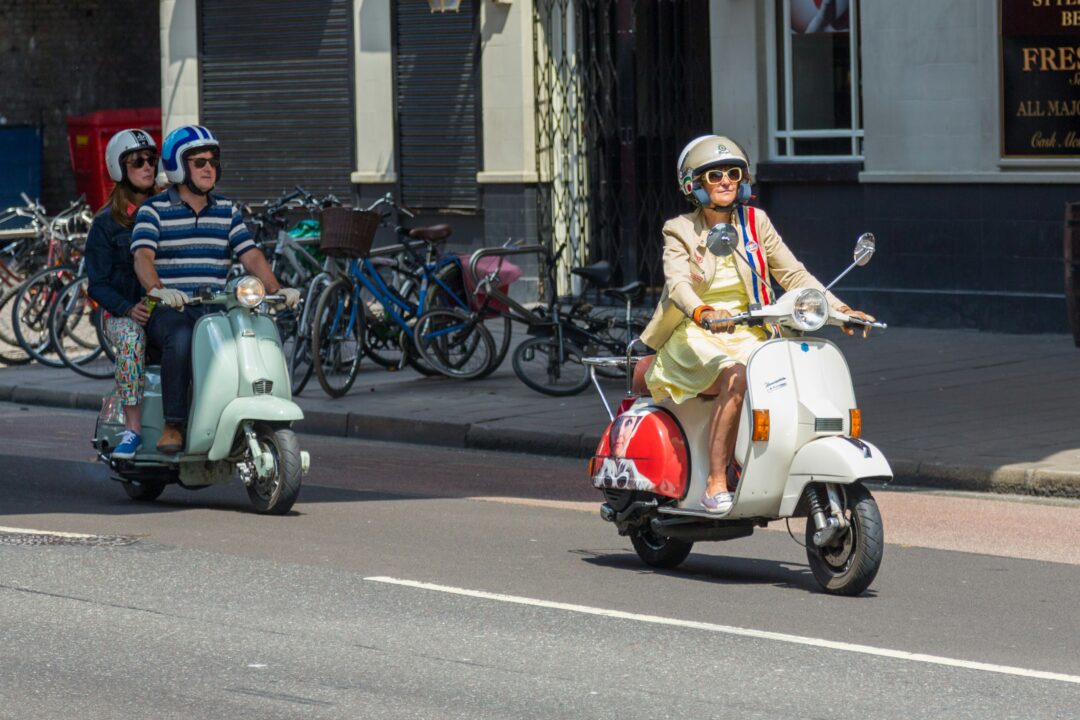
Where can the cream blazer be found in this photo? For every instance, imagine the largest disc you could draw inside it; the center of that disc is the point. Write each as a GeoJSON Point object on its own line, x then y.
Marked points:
{"type": "Point", "coordinates": [689, 268]}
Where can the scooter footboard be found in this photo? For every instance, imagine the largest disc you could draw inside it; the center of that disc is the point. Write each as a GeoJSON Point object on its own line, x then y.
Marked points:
{"type": "Point", "coordinates": [265, 408]}
{"type": "Point", "coordinates": [836, 459]}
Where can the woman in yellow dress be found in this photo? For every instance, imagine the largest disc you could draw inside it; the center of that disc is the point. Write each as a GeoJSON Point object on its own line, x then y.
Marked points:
{"type": "Point", "coordinates": [698, 353]}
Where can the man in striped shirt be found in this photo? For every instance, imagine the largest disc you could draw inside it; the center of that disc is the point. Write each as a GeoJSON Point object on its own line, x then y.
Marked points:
{"type": "Point", "coordinates": [184, 240]}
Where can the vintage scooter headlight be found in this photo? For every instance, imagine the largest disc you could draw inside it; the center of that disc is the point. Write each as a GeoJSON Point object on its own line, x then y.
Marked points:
{"type": "Point", "coordinates": [250, 291]}
{"type": "Point", "coordinates": [810, 310]}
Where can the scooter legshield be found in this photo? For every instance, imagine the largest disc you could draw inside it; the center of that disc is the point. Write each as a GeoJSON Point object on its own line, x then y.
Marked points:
{"type": "Point", "coordinates": [643, 449]}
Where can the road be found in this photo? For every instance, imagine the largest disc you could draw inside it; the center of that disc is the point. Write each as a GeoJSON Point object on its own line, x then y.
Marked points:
{"type": "Point", "coordinates": [424, 582]}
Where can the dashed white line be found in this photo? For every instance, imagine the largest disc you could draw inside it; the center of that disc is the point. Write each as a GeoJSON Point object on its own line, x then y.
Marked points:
{"type": "Point", "coordinates": [737, 631]}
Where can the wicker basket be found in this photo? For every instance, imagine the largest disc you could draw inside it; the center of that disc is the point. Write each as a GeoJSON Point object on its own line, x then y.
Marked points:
{"type": "Point", "coordinates": [347, 233]}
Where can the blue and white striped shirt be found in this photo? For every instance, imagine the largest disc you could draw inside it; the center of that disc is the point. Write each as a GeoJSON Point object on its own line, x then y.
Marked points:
{"type": "Point", "coordinates": [191, 251]}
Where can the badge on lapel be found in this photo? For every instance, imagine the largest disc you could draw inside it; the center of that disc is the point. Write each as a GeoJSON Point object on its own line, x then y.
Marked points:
{"type": "Point", "coordinates": [694, 277]}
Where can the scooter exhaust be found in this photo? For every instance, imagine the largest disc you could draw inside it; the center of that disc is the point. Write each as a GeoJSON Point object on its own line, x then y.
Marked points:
{"type": "Point", "coordinates": [694, 530]}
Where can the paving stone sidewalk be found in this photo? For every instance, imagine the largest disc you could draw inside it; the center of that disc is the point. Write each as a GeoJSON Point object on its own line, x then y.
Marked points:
{"type": "Point", "coordinates": [963, 410]}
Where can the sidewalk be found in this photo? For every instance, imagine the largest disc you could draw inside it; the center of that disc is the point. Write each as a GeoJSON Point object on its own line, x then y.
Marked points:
{"type": "Point", "coordinates": [962, 410]}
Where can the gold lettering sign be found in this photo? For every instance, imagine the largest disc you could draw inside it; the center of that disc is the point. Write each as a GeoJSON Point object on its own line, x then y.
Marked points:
{"type": "Point", "coordinates": [1040, 78]}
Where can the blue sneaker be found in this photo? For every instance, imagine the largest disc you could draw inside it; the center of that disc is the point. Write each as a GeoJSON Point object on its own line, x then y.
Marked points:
{"type": "Point", "coordinates": [130, 442]}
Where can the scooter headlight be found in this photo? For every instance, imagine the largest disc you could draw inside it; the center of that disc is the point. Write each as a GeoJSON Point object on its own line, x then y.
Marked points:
{"type": "Point", "coordinates": [250, 291]}
{"type": "Point", "coordinates": [810, 310]}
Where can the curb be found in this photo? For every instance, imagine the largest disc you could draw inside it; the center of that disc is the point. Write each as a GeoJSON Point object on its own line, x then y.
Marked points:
{"type": "Point", "coordinates": [1009, 479]}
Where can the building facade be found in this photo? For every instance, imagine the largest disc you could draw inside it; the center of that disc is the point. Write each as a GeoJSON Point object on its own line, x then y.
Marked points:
{"type": "Point", "coordinates": [943, 128]}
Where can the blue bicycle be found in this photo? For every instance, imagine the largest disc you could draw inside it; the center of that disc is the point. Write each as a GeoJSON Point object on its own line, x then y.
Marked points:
{"type": "Point", "coordinates": [374, 309]}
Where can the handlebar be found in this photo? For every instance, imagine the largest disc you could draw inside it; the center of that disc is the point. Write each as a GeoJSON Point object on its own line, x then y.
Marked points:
{"type": "Point", "coordinates": [505, 251]}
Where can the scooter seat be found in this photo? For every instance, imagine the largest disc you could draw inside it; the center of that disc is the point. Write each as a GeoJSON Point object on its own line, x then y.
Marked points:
{"type": "Point", "coordinates": [638, 386]}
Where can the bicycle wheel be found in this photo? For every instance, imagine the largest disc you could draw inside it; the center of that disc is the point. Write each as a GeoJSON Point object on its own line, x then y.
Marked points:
{"type": "Point", "coordinates": [337, 338]}
{"type": "Point", "coordinates": [11, 353]}
{"type": "Point", "coordinates": [499, 326]}
{"type": "Point", "coordinates": [73, 332]}
{"type": "Point", "coordinates": [298, 347]}
{"type": "Point", "coordinates": [539, 364]}
{"type": "Point", "coordinates": [454, 343]}
{"type": "Point", "coordinates": [30, 312]}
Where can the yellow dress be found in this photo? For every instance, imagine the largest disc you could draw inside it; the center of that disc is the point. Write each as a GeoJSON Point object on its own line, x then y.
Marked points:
{"type": "Point", "coordinates": [692, 358]}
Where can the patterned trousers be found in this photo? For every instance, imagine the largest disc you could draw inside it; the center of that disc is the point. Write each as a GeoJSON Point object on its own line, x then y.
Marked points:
{"type": "Point", "coordinates": [129, 339]}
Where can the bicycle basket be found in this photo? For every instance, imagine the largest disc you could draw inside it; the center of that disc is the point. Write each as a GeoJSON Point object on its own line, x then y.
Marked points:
{"type": "Point", "coordinates": [347, 233]}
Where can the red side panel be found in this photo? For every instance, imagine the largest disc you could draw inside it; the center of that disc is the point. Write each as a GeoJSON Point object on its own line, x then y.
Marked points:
{"type": "Point", "coordinates": [643, 450]}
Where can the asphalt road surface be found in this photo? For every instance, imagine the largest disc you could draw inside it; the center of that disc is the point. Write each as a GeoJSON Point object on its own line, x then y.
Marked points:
{"type": "Point", "coordinates": [424, 582]}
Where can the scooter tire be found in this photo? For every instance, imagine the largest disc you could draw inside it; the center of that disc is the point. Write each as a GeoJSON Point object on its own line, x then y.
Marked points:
{"type": "Point", "coordinates": [851, 565]}
{"type": "Point", "coordinates": [278, 495]}
{"type": "Point", "coordinates": [659, 552]}
{"type": "Point", "coordinates": [144, 490]}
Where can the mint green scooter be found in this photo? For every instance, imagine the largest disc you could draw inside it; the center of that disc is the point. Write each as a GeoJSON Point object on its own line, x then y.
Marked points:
{"type": "Point", "coordinates": [241, 414]}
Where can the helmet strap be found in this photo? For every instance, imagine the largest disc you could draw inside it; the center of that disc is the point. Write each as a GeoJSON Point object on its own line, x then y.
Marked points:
{"type": "Point", "coordinates": [192, 187]}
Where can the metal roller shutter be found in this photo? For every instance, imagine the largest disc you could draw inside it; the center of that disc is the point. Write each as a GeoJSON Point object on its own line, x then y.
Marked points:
{"type": "Point", "coordinates": [437, 86]}
{"type": "Point", "coordinates": [276, 88]}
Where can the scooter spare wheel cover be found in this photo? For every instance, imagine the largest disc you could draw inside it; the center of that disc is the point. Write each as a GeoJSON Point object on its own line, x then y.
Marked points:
{"type": "Point", "coordinates": [643, 449]}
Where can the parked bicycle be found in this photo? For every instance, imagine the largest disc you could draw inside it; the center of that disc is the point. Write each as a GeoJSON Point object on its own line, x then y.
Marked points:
{"type": "Point", "coordinates": [373, 308]}
{"type": "Point", "coordinates": [562, 332]}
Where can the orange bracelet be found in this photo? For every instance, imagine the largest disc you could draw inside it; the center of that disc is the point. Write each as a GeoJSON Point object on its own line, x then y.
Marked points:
{"type": "Point", "coordinates": [698, 312]}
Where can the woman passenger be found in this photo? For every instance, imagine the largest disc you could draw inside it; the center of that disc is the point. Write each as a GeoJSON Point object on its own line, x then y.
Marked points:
{"type": "Point", "coordinates": [131, 158]}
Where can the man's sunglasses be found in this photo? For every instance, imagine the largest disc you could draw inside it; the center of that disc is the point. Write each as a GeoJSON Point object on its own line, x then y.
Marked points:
{"type": "Point", "coordinates": [713, 177]}
{"type": "Point", "coordinates": [138, 162]}
{"type": "Point", "coordinates": [200, 163]}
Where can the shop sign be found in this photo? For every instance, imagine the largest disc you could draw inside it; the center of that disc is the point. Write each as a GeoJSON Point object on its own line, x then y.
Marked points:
{"type": "Point", "coordinates": [1040, 78]}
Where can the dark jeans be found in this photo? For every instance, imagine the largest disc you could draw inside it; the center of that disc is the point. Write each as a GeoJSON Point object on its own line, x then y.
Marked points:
{"type": "Point", "coordinates": [170, 331]}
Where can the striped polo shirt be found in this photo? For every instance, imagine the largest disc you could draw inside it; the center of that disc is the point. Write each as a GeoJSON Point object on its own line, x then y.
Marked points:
{"type": "Point", "coordinates": [191, 251]}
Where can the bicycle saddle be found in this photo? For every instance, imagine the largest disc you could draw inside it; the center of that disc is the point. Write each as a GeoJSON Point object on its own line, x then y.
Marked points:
{"type": "Point", "coordinates": [599, 273]}
{"type": "Point", "coordinates": [434, 233]}
{"type": "Point", "coordinates": [627, 293]}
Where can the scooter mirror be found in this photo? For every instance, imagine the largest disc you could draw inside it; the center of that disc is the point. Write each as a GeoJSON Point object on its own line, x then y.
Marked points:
{"type": "Point", "coordinates": [864, 249]}
{"type": "Point", "coordinates": [722, 239]}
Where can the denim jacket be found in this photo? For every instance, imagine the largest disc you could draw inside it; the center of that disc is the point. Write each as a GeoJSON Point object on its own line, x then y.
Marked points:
{"type": "Point", "coordinates": [110, 265]}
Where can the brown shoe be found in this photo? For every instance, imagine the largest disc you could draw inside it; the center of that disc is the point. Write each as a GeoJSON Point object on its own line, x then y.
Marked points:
{"type": "Point", "coordinates": [171, 440]}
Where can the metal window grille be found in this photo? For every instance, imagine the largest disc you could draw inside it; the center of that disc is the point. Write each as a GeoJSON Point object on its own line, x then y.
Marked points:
{"type": "Point", "coordinates": [796, 131]}
{"type": "Point", "coordinates": [620, 88]}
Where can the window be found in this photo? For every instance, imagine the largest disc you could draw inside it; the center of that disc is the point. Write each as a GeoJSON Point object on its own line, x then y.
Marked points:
{"type": "Point", "coordinates": [816, 108]}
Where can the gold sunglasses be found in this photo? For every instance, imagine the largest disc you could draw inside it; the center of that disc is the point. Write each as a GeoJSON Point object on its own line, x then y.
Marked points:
{"type": "Point", "coordinates": [714, 177]}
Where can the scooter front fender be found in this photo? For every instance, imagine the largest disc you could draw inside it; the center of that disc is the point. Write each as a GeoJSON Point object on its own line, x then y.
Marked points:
{"type": "Point", "coordinates": [259, 408]}
{"type": "Point", "coordinates": [835, 459]}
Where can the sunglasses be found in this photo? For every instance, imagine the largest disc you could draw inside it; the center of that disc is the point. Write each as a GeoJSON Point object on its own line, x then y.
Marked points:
{"type": "Point", "coordinates": [714, 177]}
{"type": "Point", "coordinates": [138, 162]}
{"type": "Point", "coordinates": [200, 163]}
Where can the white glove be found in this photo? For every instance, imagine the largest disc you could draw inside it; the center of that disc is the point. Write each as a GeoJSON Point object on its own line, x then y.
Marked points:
{"type": "Point", "coordinates": [170, 296]}
{"type": "Point", "coordinates": [290, 296]}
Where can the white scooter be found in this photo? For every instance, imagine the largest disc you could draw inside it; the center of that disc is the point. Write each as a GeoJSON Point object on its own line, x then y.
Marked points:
{"type": "Point", "coordinates": [799, 445]}
{"type": "Point", "coordinates": [241, 415]}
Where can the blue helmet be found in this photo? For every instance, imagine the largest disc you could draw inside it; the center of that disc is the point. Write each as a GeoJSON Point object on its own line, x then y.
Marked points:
{"type": "Point", "coordinates": [178, 144]}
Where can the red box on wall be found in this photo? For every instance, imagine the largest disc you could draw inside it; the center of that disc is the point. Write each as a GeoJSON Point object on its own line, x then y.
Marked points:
{"type": "Point", "coordinates": [89, 134]}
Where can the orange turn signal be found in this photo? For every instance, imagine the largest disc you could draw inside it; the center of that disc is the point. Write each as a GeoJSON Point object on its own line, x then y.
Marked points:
{"type": "Point", "coordinates": [761, 425]}
{"type": "Point", "coordinates": [592, 466]}
{"type": "Point", "coordinates": [856, 423]}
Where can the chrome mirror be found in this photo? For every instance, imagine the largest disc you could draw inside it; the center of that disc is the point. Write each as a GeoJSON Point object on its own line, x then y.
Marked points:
{"type": "Point", "coordinates": [864, 249]}
{"type": "Point", "coordinates": [722, 239]}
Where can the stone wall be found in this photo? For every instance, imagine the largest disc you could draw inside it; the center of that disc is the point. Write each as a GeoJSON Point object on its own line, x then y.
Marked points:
{"type": "Point", "coordinates": [60, 58]}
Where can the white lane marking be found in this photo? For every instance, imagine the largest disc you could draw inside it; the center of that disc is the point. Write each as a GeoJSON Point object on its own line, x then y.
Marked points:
{"type": "Point", "coordinates": [53, 533]}
{"type": "Point", "coordinates": [741, 632]}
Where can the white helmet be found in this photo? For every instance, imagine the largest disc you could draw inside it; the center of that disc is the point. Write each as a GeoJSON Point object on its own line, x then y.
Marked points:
{"type": "Point", "coordinates": [121, 144]}
{"type": "Point", "coordinates": [178, 144]}
{"type": "Point", "coordinates": [703, 153]}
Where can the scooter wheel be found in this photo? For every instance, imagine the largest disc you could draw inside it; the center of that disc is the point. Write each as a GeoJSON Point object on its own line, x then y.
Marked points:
{"type": "Point", "coordinates": [144, 490]}
{"type": "Point", "coordinates": [657, 551]}
{"type": "Point", "coordinates": [848, 566]}
{"type": "Point", "coordinates": [275, 495]}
